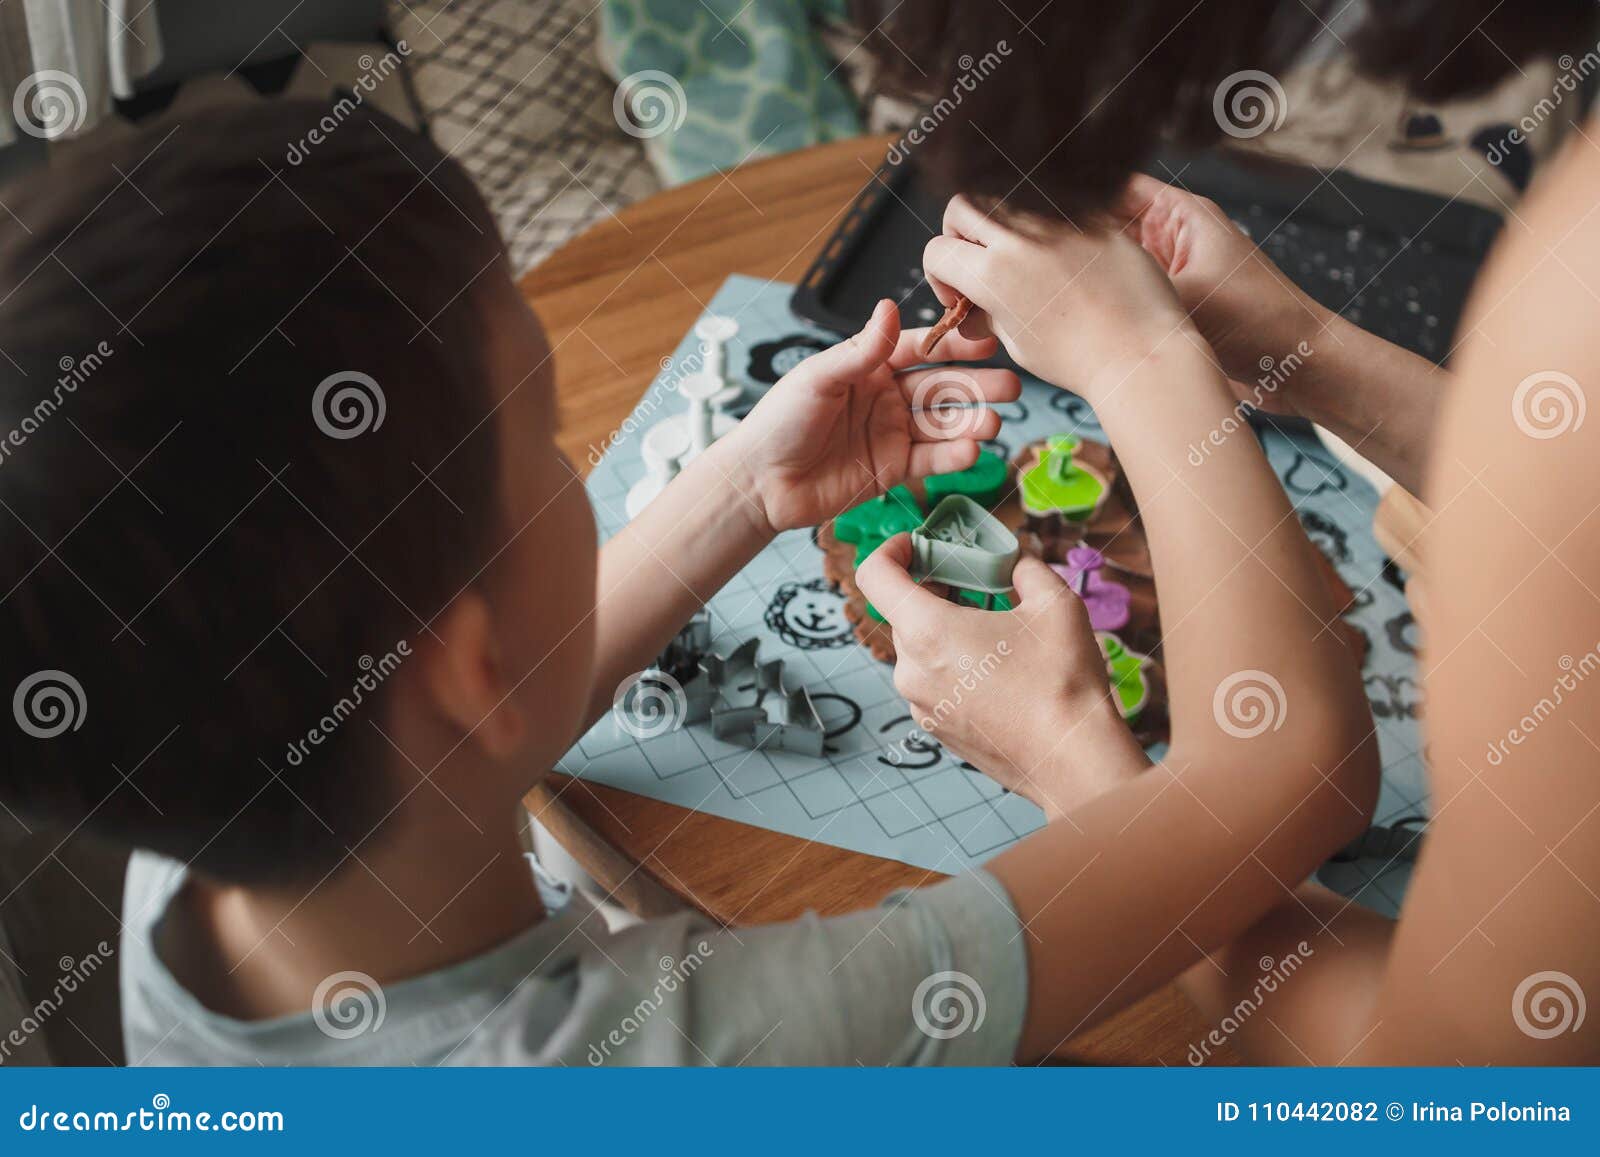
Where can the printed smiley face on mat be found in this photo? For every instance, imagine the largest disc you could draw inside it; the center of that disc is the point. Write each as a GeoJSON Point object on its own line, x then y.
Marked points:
{"type": "Point", "coordinates": [810, 615]}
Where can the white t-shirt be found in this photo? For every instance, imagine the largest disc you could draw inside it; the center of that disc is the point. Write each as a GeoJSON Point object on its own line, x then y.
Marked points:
{"type": "Point", "coordinates": [935, 976]}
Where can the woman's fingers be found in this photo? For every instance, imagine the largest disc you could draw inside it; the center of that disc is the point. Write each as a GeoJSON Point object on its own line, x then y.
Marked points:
{"type": "Point", "coordinates": [965, 220]}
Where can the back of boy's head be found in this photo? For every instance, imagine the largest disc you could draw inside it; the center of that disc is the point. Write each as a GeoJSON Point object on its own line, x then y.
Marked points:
{"type": "Point", "coordinates": [247, 451]}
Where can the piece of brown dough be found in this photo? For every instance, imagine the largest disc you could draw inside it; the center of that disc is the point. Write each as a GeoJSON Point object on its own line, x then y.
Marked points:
{"type": "Point", "coordinates": [954, 316]}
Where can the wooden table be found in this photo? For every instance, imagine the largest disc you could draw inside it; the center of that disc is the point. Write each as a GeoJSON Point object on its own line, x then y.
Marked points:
{"type": "Point", "coordinates": [614, 301]}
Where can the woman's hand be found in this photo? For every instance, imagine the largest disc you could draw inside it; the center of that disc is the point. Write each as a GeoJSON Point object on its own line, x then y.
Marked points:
{"type": "Point", "coordinates": [852, 421]}
{"type": "Point", "coordinates": [1251, 313]}
{"type": "Point", "coordinates": [1022, 694]}
{"type": "Point", "coordinates": [1077, 309]}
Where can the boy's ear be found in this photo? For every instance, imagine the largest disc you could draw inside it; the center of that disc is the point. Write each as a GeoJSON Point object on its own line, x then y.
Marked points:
{"type": "Point", "coordinates": [462, 675]}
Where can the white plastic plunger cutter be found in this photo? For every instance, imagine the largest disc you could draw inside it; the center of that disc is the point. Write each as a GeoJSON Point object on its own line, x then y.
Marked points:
{"type": "Point", "coordinates": [674, 442]}
{"type": "Point", "coordinates": [715, 332]}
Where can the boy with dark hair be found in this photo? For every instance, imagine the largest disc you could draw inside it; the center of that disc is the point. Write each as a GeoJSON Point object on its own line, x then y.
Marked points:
{"type": "Point", "coordinates": [301, 599]}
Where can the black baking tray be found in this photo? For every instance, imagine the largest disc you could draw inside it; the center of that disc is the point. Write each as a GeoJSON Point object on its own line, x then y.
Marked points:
{"type": "Point", "coordinates": [1398, 262]}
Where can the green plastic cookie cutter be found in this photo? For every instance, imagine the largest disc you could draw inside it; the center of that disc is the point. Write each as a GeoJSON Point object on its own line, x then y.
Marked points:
{"type": "Point", "coordinates": [1058, 485]}
{"type": "Point", "coordinates": [984, 481]}
{"type": "Point", "coordinates": [1126, 670]}
{"type": "Point", "coordinates": [962, 545]}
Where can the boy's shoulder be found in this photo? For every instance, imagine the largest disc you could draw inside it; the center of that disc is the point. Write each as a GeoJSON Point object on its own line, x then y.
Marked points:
{"type": "Point", "coordinates": [680, 990]}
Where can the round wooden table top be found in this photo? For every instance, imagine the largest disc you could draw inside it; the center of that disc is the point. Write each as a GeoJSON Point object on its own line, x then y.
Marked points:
{"type": "Point", "coordinates": [614, 301]}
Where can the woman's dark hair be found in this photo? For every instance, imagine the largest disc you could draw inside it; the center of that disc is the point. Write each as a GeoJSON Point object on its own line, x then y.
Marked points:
{"type": "Point", "coordinates": [1049, 105]}
{"type": "Point", "coordinates": [246, 451]}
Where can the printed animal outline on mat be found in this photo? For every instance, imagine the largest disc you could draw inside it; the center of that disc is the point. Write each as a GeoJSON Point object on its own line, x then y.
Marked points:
{"type": "Point", "coordinates": [1309, 475]}
{"type": "Point", "coordinates": [917, 742]}
{"type": "Point", "coordinates": [770, 360]}
{"type": "Point", "coordinates": [1076, 409]}
{"type": "Point", "coordinates": [1402, 632]}
{"type": "Point", "coordinates": [1328, 536]}
{"type": "Point", "coordinates": [810, 615]}
{"type": "Point", "coordinates": [1394, 696]}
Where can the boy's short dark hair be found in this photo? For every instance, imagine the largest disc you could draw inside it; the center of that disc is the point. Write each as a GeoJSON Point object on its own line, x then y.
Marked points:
{"type": "Point", "coordinates": [247, 452]}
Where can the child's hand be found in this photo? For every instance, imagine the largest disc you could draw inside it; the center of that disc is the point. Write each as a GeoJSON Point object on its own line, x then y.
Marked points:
{"type": "Point", "coordinates": [1077, 309]}
{"type": "Point", "coordinates": [851, 422]}
{"type": "Point", "coordinates": [1022, 694]}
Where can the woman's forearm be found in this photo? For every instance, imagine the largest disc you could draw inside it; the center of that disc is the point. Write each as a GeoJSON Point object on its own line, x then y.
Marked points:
{"type": "Point", "coordinates": [1242, 597]}
{"type": "Point", "coordinates": [667, 562]}
{"type": "Point", "coordinates": [1378, 397]}
{"type": "Point", "coordinates": [1272, 764]}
